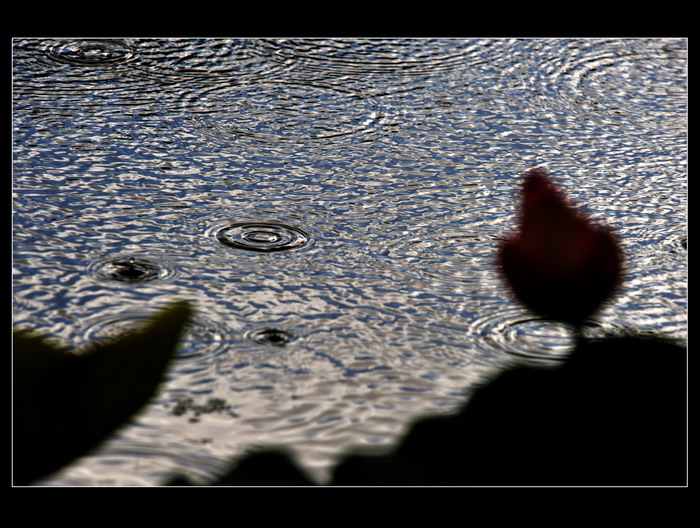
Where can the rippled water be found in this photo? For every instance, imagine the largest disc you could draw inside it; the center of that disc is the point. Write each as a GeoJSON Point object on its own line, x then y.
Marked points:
{"type": "Point", "coordinates": [332, 207]}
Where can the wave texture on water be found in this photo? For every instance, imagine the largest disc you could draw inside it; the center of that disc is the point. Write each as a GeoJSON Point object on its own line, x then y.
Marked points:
{"type": "Point", "coordinates": [332, 207]}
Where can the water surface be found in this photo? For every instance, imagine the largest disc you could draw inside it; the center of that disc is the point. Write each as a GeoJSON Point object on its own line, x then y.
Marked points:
{"type": "Point", "coordinates": [332, 207]}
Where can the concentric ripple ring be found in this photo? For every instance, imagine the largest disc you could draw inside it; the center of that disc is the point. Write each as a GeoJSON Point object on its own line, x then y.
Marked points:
{"type": "Point", "coordinates": [91, 52]}
{"type": "Point", "coordinates": [262, 236]}
{"type": "Point", "coordinates": [271, 336]}
{"type": "Point", "coordinates": [129, 269]}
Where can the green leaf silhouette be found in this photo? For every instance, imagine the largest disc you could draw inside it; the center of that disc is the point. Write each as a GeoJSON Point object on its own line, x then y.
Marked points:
{"type": "Point", "coordinates": [65, 404]}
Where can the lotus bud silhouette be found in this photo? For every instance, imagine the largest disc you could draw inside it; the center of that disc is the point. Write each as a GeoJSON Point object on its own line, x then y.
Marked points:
{"type": "Point", "coordinates": [559, 264]}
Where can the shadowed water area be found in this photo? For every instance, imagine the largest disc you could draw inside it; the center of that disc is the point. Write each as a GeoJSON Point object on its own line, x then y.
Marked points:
{"type": "Point", "coordinates": [332, 208]}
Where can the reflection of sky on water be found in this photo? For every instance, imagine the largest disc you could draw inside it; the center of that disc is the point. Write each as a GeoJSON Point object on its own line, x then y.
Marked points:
{"type": "Point", "coordinates": [399, 159]}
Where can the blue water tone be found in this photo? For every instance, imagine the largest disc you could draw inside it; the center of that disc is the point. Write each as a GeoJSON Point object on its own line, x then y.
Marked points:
{"type": "Point", "coordinates": [332, 208]}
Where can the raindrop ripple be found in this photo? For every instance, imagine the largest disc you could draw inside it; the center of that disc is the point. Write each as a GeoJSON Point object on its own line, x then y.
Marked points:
{"type": "Point", "coordinates": [262, 236]}
{"type": "Point", "coordinates": [89, 52]}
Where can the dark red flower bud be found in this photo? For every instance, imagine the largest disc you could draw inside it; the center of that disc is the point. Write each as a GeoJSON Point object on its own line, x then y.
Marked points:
{"type": "Point", "coordinates": [559, 264]}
